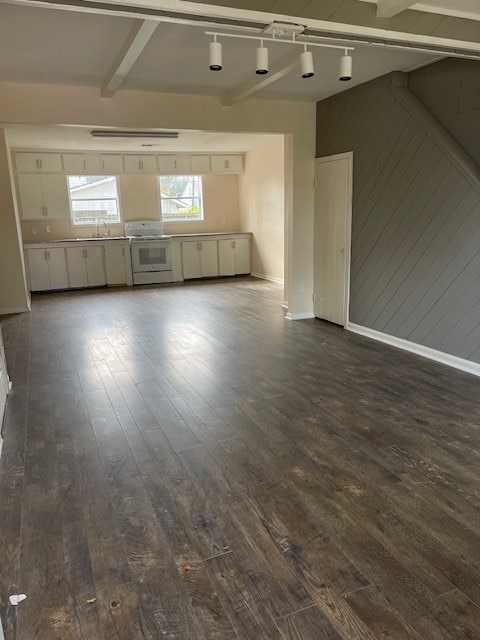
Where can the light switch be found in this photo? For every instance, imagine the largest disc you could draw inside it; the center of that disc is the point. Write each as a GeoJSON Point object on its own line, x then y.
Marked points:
{"type": "Point", "coordinates": [48, 228]}
{"type": "Point", "coordinates": [34, 231]}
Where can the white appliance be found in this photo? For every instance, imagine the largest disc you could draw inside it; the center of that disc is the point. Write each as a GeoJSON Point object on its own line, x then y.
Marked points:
{"type": "Point", "coordinates": [151, 252]}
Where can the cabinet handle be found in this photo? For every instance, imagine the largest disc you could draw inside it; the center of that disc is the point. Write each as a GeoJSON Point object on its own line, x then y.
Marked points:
{"type": "Point", "coordinates": [46, 211]}
{"type": "Point", "coordinates": [45, 254]}
{"type": "Point", "coordinates": [48, 254]}
{"type": "Point", "coordinates": [227, 164]}
{"type": "Point", "coordinates": [175, 164]}
{"type": "Point", "coordinates": [140, 164]}
{"type": "Point", "coordinates": [103, 164]}
{"type": "Point", "coordinates": [233, 244]}
{"type": "Point", "coordinates": [84, 165]}
{"type": "Point", "coordinates": [37, 163]}
{"type": "Point", "coordinates": [41, 164]}
{"type": "Point", "coordinates": [123, 251]}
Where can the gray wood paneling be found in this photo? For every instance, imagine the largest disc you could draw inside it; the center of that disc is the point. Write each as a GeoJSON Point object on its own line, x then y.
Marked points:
{"type": "Point", "coordinates": [416, 223]}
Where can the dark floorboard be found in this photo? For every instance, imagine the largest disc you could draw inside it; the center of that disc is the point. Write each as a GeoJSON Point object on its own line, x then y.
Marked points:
{"type": "Point", "coordinates": [183, 463]}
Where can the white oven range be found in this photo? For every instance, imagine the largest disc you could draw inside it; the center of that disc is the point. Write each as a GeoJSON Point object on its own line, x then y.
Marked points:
{"type": "Point", "coordinates": [151, 252]}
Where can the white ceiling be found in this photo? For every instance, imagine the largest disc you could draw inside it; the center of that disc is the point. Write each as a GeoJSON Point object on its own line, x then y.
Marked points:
{"type": "Point", "coordinates": [469, 9]}
{"type": "Point", "coordinates": [65, 138]}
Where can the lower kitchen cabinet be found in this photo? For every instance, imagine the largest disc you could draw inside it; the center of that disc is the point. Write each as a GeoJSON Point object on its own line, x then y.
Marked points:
{"type": "Point", "coordinates": [85, 267]}
{"type": "Point", "coordinates": [47, 269]}
{"type": "Point", "coordinates": [115, 264]}
{"type": "Point", "coordinates": [199, 259]}
{"type": "Point", "coordinates": [234, 256]}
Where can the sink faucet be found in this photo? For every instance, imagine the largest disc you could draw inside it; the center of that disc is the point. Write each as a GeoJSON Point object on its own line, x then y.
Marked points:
{"type": "Point", "coordinates": [98, 227]}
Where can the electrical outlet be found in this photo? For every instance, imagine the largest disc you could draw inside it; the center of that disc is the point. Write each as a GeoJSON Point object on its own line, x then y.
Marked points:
{"type": "Point", "coordinates": [48, 228]}
{"type": "Point", "coordinates": [223, 221]}
{"type": "Point", "coordinates": [300, 287]}
{"type": "Point", "coordinates": [34, 231]}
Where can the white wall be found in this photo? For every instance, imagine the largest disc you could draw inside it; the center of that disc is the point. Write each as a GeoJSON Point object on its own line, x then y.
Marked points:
{"type": "Point", "coordinates": [262, 208]}
{"type": "Point", "coordinates": [61, 104]}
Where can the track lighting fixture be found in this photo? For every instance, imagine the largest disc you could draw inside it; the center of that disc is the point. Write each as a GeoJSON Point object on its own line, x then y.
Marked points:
{"type": "Point", "coordinates": [306, 64]}
{"type": "Point", "coordinates": [215, 55]}
{"type": "Point", "coordinates": [346, 64]}
{"type": "Point", "coordinates": [262, 60]}
{"type": "Point", "coordinates": [285, 34]}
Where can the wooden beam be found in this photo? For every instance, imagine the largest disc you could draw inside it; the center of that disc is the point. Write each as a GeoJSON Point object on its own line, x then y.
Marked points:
{"type": "Point", "coordinates": [133, 46]}
{"type": "Point", "coordinates": [390, 8]}
{"type": "Point", "coordinates": [278, 70]}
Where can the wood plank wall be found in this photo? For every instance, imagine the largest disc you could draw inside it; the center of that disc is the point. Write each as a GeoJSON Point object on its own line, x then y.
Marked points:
{"type": "Point", "coordinates": [416, 224]}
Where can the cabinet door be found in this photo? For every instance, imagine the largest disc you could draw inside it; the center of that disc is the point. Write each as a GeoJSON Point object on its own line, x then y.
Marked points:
{"type": "Point", "coordinates": [74, 163]}
{"type": "Point", "coordinates": [183, 165]}
{"type": "Point", "coordinates": [200, 164]}
{"type": "Point", "coordinates": [149, 164]}
{"type": "Point", "coordinates": [93, 164]}
{"type": "Point", "coordinates": [77, 269]}
{"type": "Point", "coordinates": [227, 163]}
{"type": "Point", "coordinates": [38, 269]}
{"type": "Point", "coordinates": [57, 268]}
{"type": "Point", "coordinates": [226, 257]}
{"type": "Point", "coordinates": [166, 165]}
{"type": "Point", "coordinates": [115, 265]}
{"type": "Point", "coordinates": [191, 260]}
{"type": "Point", "coordinates": [112, 165]}
{"type": "Point", "coordinates": [95, 269]}
{"type": "Point", "coordinates": [209, 258]}
{"type": "Point", "coordinates": [55, 196]}
{"type": "Point", "coordinates": [132, 164]}
{"type": "Point", "coordinates": [38, 162]}
{"type": "Point", "coordinates": [242, 255]}
{"type": "Point", "coordinates": [31, 196]}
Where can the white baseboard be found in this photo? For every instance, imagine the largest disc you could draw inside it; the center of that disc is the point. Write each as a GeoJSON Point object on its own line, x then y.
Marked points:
{"type": "Point", "coordinates": [269, 278]}
{"type": "Point", "coordinates": [299, 316]}
{"type": "Point", "coordinates": [5, 312]}
{"type": "Point", "coordinates": [420, 350]}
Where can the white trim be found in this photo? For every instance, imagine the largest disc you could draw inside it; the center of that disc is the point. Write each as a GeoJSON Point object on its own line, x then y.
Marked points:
{"type": "Point", "coordinates": [4, 312]}
{"type": "Point", "coordinates": [299, 316]}
{"type": "Point", "coordinates": [269, 278]}
{"type": "Point", "coordinates": [348, 155]}
{"type": "Point", "coordinates": [420, 350]}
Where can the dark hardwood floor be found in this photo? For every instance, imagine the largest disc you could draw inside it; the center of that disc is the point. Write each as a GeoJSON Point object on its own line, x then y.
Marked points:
{"type": "Point", "coordinates": [183, 463]}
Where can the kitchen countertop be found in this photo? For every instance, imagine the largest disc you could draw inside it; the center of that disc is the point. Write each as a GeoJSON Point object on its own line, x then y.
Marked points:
{"type": "Point", "coordinates": [110, 238]}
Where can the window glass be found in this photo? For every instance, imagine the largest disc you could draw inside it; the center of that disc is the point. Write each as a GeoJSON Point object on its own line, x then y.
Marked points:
{"type": "Point", "coordinates": [180, 198]}
{"type": "Point", "coordinates": [93, 198]}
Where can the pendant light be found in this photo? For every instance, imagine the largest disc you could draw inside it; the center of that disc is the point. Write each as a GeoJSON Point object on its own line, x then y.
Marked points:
{"type": "Point", "coordinates": [262, 60]}
{"type": "Point", "coordinates": [306, 64]}
{"type": "Point", "coordinates": [215, 55]}
{"type": "Point", "coordinates": [346, 64]}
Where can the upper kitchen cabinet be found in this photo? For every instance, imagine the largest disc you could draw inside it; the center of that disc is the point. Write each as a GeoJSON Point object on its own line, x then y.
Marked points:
{"type": "Point", "coordinates": [232, 164]}
{"type": "Point", "coordinates": [44, 162]}
{"type": "Point", "coordinates": [200, 164]}
{"type": "Point", "coordinates": [93, 164]}
{"type": "Point", "coordinates": [140, 164]}
{"type": "Point", "coordinates": [43, 196]}
{"type": "Point", "coordinates": [168, 164]}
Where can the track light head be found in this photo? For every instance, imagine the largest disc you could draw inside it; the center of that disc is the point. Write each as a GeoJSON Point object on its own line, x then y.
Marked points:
{"type": "Point", "coordinates": [306, 64]}
{"type": "Point", "coordinates": [215, 56]}
{"type": "Point", "coordinates": [346, 64]}
{"type": "Point", "coordinates": [262, 60]}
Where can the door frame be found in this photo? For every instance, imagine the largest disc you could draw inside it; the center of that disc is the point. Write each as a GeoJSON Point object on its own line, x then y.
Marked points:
{"type": "Point", "coordinates": [348, 155]}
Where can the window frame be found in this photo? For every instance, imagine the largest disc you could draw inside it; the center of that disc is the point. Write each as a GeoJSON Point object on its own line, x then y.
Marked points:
{"type": "Point", "coordinates": [93, 223]}
{"type": "Point", "coordinates": [181, 220]}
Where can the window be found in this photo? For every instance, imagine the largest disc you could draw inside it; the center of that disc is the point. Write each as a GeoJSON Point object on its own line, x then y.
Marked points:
{"type": "Point", "coordinates": [180, 198]}
{"type": "Point", "coordinates": [93, 198]}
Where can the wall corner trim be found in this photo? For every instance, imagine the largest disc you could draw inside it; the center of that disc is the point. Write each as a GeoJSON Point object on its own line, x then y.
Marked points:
{"type": "Point", "coordinates": [299, 316]}
{"type": "Point", "coordinates": [418, 349]}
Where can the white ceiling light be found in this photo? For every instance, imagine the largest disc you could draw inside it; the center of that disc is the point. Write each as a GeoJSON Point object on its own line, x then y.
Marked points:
{"type": "Point", "coordinates": [306, 64]}
{"type": "Point", "coordinates": [346, 64]}
{"type": "Point", "coordinates": [215, 55]}
{"type": "Point", "coordinates": [110, 133]}
{"type": "Point", "coordinates": [262, 60]}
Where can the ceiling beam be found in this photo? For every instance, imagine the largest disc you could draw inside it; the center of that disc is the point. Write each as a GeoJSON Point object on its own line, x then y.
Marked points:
{"type": "Point", "coordinates": [133, 46]}
{"type": "Point", "coordinates": [390, 8]}
{"type": "Point", "coordinates": [278, 69]}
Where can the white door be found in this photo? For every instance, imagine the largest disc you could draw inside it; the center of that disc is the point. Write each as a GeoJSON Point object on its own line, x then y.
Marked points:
{"type": "Point", "coordinates": [226, 257]}
{"type": "Point", "coordinates": [333, 205]}
{"type": "Point", "coordinates": [95, 269]}
{"type": "Point", "coordinates": [191, 260]}
{"type": "Point", "coordinates": [55, 196]}
{"type": "Point", "coordinates": [209, 258]}
{"type": "Point", "coordinates": [37, 262]}
{"type": "Point", "coordinates": [242, 256]}
{"type": "Point", "coordinates": [31, 196]}
{"type": "Point", "coordinates": [115, 266]}
{"type": "Point", "coordinates": [77, 269]}
{"type": "Point", "coordinates": [57, 268]}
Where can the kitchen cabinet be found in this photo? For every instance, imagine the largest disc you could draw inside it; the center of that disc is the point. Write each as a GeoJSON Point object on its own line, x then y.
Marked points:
{"type": "Point", "coordinates": [171, 164]}
{"type": "Point", "coordinates": [234, 256]}
{"type": "Point", "coordinates": [224, 164]}
{"type": "Point", "coordinates": [43, 196]}
{"type": "Point", "coordinates": [140, 164]}
{"type": "Point", "coordinates": [200, 259]}
{"type": "Point", "coordinates": [200, 164]}
{"type": "Point", "coordinates": [115, 264]}
{"type": "Point", "coordinates": [112, 164]}
{"type": "Point", "coordinates": [38, 162]}
{"type": "Point", "coordinates": [85, 266]}
{"type": "Point", "coordinates": [83, 164]}
{"type": "Point", "coordinates": [47, 269]}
